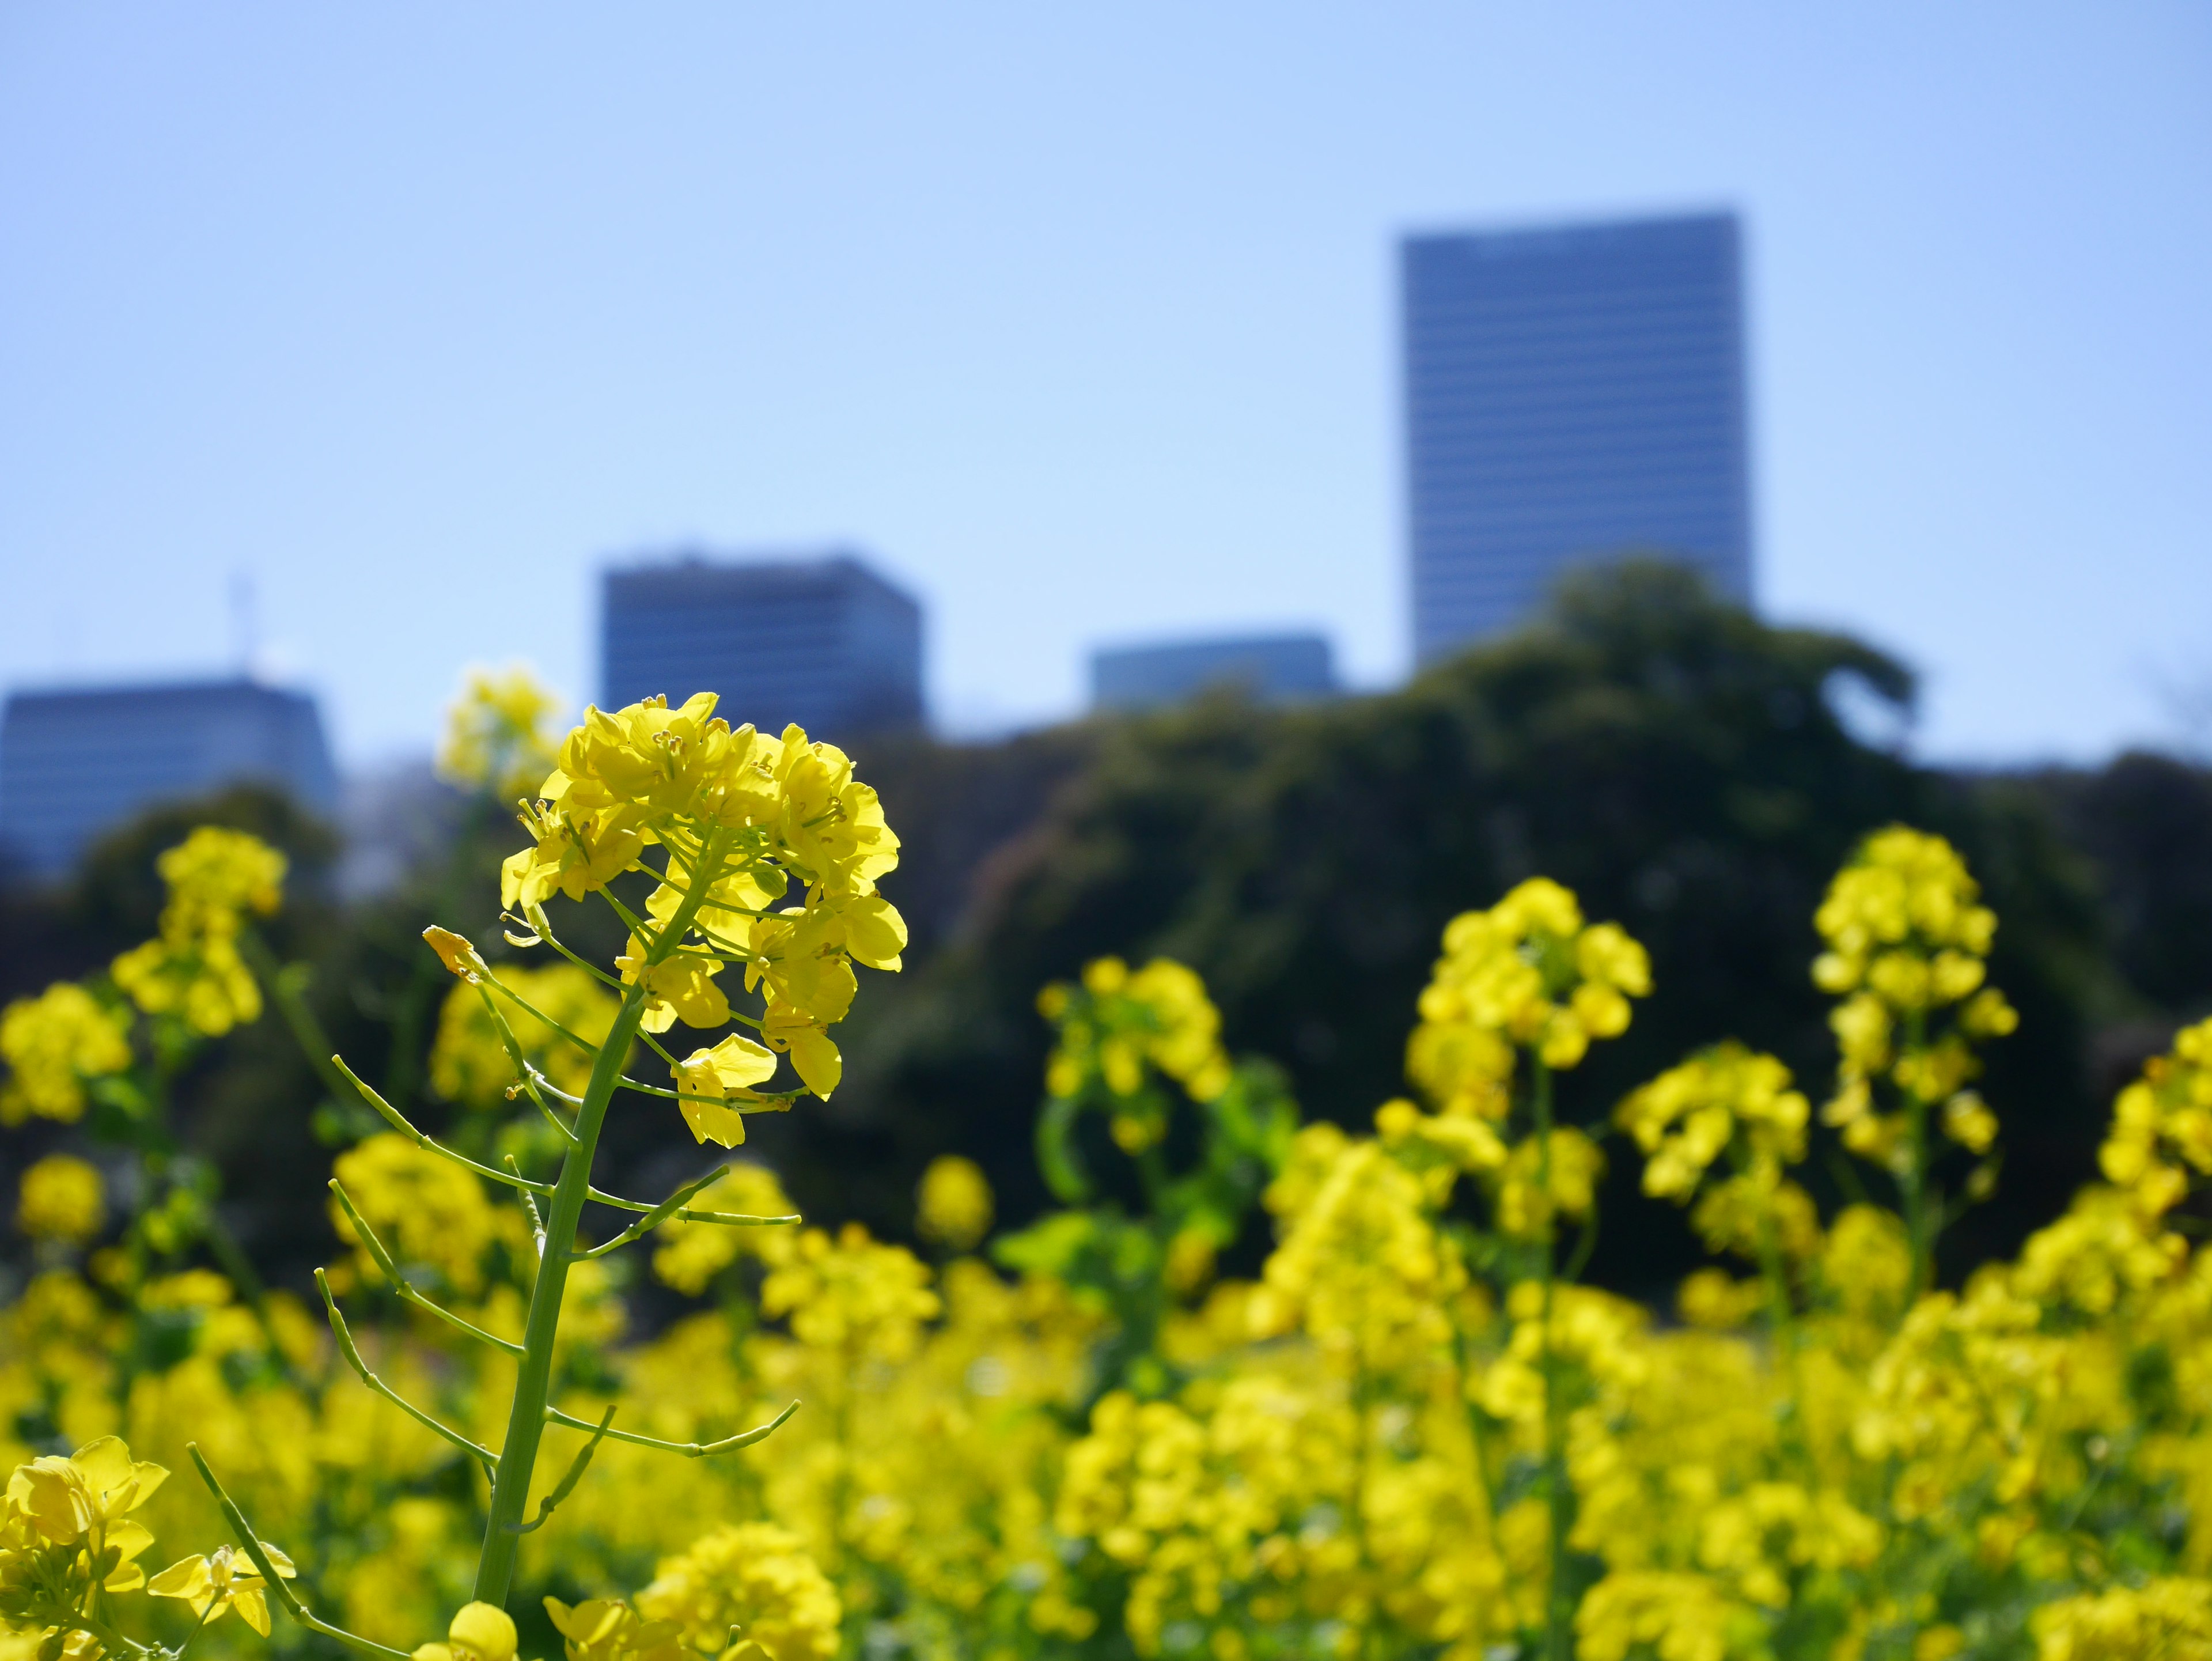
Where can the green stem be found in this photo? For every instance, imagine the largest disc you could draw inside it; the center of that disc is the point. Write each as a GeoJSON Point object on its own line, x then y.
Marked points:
{"type": "Point", "coordinates": [526, 1423]}
{"type": "Point", "coordinates": [285, 988]}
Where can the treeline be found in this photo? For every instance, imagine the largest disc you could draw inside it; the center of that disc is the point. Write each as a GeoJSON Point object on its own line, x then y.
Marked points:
{"type": "Point", "coordinates": [1680, 764]}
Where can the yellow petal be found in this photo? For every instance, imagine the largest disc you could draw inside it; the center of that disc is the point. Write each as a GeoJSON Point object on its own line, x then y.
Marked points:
{"type": "Point", "coordinates": [875, 933]}
{"type": "Point", "coordinates": [485, 1629]}
{"type": "Point", "coordinates": [817, 1058]}
{"type": "Point", "coordinates": [106, 1464]}
{"type": "Point", "coordinates": [253, 1608]}
{"type": "Point", "coordinates": [456, 952]}
{"type": "Point", "coordinates": [185, 1577]}
{"type": "Point", "coordinates": [712, 1121]}
{"type": "Point", "coordinates": [732, 1064]}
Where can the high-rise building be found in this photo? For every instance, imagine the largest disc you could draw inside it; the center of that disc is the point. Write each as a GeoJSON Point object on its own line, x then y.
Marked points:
{"type": "Point", "coordinates": [76, 762]}
{"type": "Point", "coordinates": [824, 641]}
{"type": "Point", "coordinates": [1274, 667]}
{"type": "Point", "coordinates": [1572, 394]}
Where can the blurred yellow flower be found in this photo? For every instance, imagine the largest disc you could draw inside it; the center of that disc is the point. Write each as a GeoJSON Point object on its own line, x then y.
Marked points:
{"type": "Point", "coordinates": [499, 737]}
{"type": "Point", "coordinates": [53, 1044]}
{"type": "Point", "coordinates": [62, 1199]}
{"type": "Point", "coordinates": [953, 1203]}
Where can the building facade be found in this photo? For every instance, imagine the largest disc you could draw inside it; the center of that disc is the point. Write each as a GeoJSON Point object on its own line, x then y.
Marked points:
{"type": "Point", "coordinates": [824, 641]}
{"type": "Point", "coordinates": [78, 762]}
{"type": "Point", "coordinates": [1271, 667]}
{"type": "Point", "coordinates": [1572, 395]}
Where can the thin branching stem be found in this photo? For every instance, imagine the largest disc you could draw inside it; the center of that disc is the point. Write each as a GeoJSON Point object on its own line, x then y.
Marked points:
{"type": "Point", "coordinates": [668, 1207]}
{"type": "Point", "coordinates": [399, 1121]}
{"type": "Point", "coordinates": [537, 926]}
{"type": "Point", "coordinates": [428, 1422]}
{"type": "Point", "coordinates": [744, 1439]}
{"type": "Point", "coordinates": [528, 1075]}
{"type": "Point", "coordinates": [405, 1287]}
{"type": "Point", "coordinates": [278, 1585]}
{"type": "Point", "coordinates": [535, 1013]}
{"type": "Point", "coordinates": [567, 1485]}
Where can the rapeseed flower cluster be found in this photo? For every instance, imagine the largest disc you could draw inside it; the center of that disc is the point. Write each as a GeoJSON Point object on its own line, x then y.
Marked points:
{"type": "Point", "coordinates": [499, 739]}
{"type": "Point", "coordinates": [193, 968]}
{"type": "Point", "coordinates": [1118, 1025]}
{"type": "Point", "coordinates": [1908, 941]}
{"type": "Point", "coordinates": [1410, 1434]}
{"type": "Point", "coordinates": [737, 817]}
{"type": "Point", "coordinates": [55, 1044]}
{"type": "Point", "coordinates": [62, 1199]}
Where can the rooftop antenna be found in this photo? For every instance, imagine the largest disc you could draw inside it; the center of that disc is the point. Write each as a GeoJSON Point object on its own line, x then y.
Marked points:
{"type": "Point", "coordinates": [244, 645]}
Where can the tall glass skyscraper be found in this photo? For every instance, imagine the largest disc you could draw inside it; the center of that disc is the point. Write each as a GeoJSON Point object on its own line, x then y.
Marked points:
{"type": "Point", "coordinates": [824, 641]}
{"type": "Point", "coordinates": [1572, 394]}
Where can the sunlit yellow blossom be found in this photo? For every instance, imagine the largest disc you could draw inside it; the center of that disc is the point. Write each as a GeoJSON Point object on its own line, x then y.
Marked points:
{"type": "Point", "coordinates": [2169, 1618]}
{"type": "Point", "coordinates": [202, 979]}
{"type": "Point", "coordinates": [1525, 973]}
{"type": "Point", "coordinates": [756, 1578]}
{"type": "Point", "coordinates": [497, 735]}
{"type": "Point", "coordinates": [1906, 939]}
{"type": "Point", "coordinates": [1690, 1114]}
{"type": "Point", "coordinates": [1361, 1269]}
{"type": "Point", "coordinates": [216, 874]}
{"type": "Point", "coordinates": [710, 1079]}
{"type": "Point", "coordinates": [53, 1044]}
{"type": "Point", "coordinates": [1713, 1298]}
{"type": "Point", "coordinates": [213, 1585]}
{"type": "Point", "coordinates": [953, 1203]}
{"type": "Point", "coordinates": [1548, 1178]}
{"type": "Point", "coordinates": [61, 1199]}
{"type": "Point", "coordinates": [681, 988]}
{"type": "Point", "coordinates": [193, 967]}
{"type": "Point", "coordinates": [479, 1632]}
{"type": "Point", "coordinates": [80, 1505]}
{"type": "Point", "coordinates": [607, 1629]}
{"type": "Point", "coordinates": [2160, 1138]}
{"type": "Point", "coordinates": [1679, 1616]}
{"type": "Point", "coordinates": [851, 1293]}
{"type": "Point", "coordinates": [1117, 1022]}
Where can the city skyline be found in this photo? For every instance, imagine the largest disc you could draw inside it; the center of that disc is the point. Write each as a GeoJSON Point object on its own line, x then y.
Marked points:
{"type": "Point", "coordinates": [1087, 336]}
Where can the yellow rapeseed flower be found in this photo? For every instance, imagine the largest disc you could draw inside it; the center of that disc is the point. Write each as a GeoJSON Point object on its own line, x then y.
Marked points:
{"type": "Point", "coordinates": [497, 735]}
{"type": "Point", "coordinates": [53, 1044]}
{"type": "Point", "coordinates": [953, 1203]}
{"type": "Point", "coordinates": [756, 1578]}
{"type": "Point", "coordinates": [62, 1199]}
{"type": "Point", "coordinates": [214, 1586]}
{"type": "Point", "coordinates": [478, 1632]}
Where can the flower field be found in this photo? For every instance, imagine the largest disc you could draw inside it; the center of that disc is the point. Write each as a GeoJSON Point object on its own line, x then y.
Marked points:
{"type": "Point", "coordinates": [1403, 1427]}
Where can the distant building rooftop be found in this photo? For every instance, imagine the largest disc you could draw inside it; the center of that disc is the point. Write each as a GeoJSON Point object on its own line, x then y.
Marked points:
{"type": "Point", "coordinates": [78, 761]}
{"type": "Point", "coordinates": [1273, 667]}
{"type": "Point", "coordinates": [821, 639]}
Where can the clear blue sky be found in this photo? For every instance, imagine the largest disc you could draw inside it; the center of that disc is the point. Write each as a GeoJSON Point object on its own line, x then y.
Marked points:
{"type": "Point", "coordinates": [1080, 319]}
